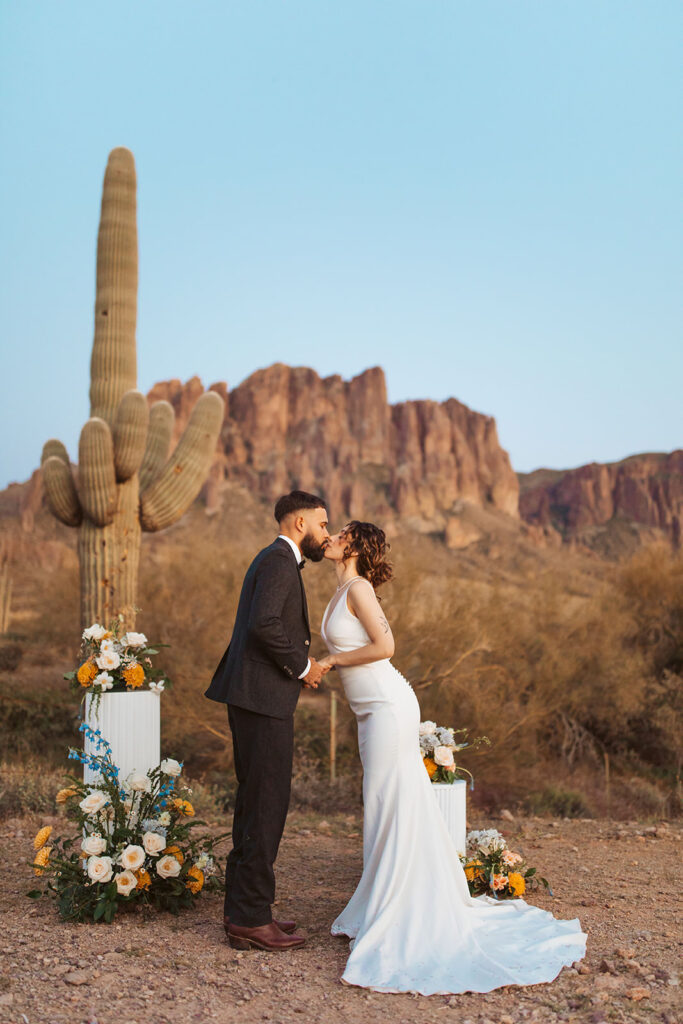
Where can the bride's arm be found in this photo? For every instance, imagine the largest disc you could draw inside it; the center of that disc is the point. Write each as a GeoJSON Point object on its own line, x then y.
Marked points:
{"type": "Point", "coordinates": [366, 607]}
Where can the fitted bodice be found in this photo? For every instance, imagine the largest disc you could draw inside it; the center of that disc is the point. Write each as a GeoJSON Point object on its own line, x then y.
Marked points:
{"type": "Point", "coordinates": [340, 629]}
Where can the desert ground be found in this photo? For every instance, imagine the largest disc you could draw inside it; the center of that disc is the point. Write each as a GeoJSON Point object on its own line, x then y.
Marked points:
{"type": "Point", "coordinates": [617, 877]}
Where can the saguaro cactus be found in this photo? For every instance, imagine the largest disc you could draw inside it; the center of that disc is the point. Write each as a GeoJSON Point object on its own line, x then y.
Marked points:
{"type": "Point", "coordinates": [126, 482]}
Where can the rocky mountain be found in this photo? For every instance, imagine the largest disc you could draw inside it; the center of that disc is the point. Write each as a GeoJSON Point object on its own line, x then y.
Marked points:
{"type": "Point", "coordinates": [593, 502]}
{"type": "Point", "coordinates": [419, 461]}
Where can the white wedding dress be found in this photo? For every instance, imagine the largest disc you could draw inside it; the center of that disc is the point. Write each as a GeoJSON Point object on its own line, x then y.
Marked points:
{"type": "Point", "coordinates": [413, 924]}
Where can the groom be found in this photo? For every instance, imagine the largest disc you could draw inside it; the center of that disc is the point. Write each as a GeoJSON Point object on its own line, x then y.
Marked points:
{"type": "Point", "coordinates": [260, 678]}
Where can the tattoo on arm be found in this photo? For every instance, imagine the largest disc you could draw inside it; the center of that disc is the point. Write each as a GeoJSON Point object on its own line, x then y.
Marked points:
{"type": "Point", "coordinates": [385, 624]}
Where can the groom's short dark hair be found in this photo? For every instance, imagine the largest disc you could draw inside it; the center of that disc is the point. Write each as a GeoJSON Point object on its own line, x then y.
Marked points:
{"type": "Point", "coordinates": [295, 501]}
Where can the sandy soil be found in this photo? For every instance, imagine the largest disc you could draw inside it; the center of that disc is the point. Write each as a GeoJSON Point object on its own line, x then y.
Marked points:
{"type": "Point", "coordinates": [619, 878]}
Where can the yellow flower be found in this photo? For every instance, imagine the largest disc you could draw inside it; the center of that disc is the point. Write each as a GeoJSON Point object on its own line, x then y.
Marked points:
{"type": "Point", "coordinates": [134, 676]}
{"type": "Point", "coordinates": [430, 765]}
{"type": "Point", "coordinates": [42, 858]}
{"type": "Point", "coordinates": [516, 883]}
{"type": "Point", "coordinates": [184, 806]}
{"type": "Point", "coordinates": [86, 673]}
{"type": "Point", "coordinates": [144, 879]}
{"type": "Point", "coordinates": [473, 870]}
{"type": "Point", "coordinates": [64, 795]}
{"type": "Point", "coordinates": [42, 837]}
{"type": "Point", "coordinates": [176, 852]}
{"type": "Point", "coordinates": [195, 879]}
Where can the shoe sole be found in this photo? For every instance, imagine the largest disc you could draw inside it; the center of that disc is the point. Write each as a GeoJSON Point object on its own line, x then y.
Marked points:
{"type": "Point", "coordinates": [237, 942]}
{"type": "Point", "coordinates": [287, 931]}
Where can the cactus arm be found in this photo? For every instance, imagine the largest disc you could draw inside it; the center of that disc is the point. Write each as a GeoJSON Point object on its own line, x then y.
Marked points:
{"type": "Point", "coordinates": [113, 366]}
{"type": "Point", "coordinates": [60, 491]}
{"type": "Point", "coordinates": [169, 497]}
{"type": "Point", "coordinates": [130, 434]}
{"type": "Point", "coordinates": [159, 434]}
{"type": "Point", "coordinates": [54, 447]}
{"type": "Point", "coordinates": [96, 476]}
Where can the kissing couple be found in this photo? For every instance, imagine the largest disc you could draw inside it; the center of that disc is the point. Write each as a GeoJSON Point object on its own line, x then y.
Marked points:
{"type": "Point", "coordinates": [412, 923]}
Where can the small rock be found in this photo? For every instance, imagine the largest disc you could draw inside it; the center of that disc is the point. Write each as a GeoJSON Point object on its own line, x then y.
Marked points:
{"type": "Point", "coordinates": [661, 974]}
{"type": "Point", "coordinates": [583, 969]}
{"type": "Point", "coordinates": [638, 993]}
{"type": "Point", "coordinates": [507, 815]}
{"type": "Point", "coordinates": [607, 967]}
{"type": "Point", "coordinates": [78, 978]}
{"type": "Point", "coordinates": [624, 953]}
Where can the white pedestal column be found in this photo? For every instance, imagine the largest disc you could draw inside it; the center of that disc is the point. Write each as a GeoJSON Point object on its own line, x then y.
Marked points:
{"type": "Point", "coordinates": [452, 800]}
{"type": "Point", "coordinates": [130, 722]}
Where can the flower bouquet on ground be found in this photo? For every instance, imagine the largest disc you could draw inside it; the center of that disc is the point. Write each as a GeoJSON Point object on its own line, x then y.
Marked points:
{"type": "Point", "coordinates": [492, 869]}
{"type": "Point", "coordinates": [111, 662]}
{"type": "Point", "coordinates": [135, 843]}
{"type": "Point", "coordinates": [438, 745]}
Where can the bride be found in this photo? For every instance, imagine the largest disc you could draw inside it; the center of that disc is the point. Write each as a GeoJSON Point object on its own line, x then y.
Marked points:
{"type": "Point", "coordinates": [413, 924]}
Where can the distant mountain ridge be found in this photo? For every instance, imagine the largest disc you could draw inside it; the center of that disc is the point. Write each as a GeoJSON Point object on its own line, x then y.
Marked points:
{"type": "Point", "coordinates": [645, 489]}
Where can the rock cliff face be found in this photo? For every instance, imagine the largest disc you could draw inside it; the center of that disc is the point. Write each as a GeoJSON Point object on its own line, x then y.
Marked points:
{"type": "Point", "coordinates": [643, 489]}
{"type": "Point", "coordinates": [287, 427]}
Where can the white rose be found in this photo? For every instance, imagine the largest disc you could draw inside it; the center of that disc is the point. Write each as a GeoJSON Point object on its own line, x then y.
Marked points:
{"type": "Point", "coordinates": [108, 659]}
{"type": "Point", "coordinates": [427, 728]}
{"type": "Point", "coordinates": [444, 757]}
{"type": "Point", "coordinates": [94, 801]}
{"type": "Point", "coordinates": [100, 869]}
{"type": "Point", "coordinates": [140, 783]}
{"type": "Point", "coordinates": [134, 640]}
{"type": "Point", "coordinates": [170, 767]}
{"type": "Point", "coordinates": [132, 858]}
{"type": "Point", "coordinates": [94, 844]}
{"type": "Point", "coordinates": [165, 818]}
{"type": "Point", "coordinates": [94, 632]}
{"type": "Point", "coordinates": [125, 882]}
{"type": "Point", "coordinates": [153, 843]}
{"type": "Point", "coordinates": [168, 867]}
{"type": "Point", "coordinates": [104, 680]}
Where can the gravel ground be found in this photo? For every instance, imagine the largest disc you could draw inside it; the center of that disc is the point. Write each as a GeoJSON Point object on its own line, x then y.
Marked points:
{"type": "Point", "coordinates": [615, 876]}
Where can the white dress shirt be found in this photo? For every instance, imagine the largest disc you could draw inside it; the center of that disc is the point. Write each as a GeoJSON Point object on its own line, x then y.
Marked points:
{"type": "Point", "coordinates": [297, 553]}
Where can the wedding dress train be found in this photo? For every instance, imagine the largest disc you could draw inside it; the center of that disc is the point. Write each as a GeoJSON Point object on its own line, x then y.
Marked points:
{"type": "Point", "coordinates": [413, 924]}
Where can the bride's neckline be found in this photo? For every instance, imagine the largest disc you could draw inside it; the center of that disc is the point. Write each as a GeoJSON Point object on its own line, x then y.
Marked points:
{"type": "Point", "coordinates": [341, 586]}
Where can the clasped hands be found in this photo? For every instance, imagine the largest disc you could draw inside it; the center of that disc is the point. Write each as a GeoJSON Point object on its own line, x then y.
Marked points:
{"type": "Point", "coordinates": [317, 670]}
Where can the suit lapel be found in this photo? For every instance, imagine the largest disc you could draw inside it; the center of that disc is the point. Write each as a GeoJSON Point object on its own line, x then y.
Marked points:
{"type": "Point", "coordinates": [304, 602]}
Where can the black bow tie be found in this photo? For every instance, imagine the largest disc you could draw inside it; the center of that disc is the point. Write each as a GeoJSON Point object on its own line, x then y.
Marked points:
{"type": "Point", "coordinates": [302, 563]}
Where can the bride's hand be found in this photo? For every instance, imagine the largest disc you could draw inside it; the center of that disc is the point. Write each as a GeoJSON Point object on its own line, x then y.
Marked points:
{"type": "Point", "coordinates": [327, 663]}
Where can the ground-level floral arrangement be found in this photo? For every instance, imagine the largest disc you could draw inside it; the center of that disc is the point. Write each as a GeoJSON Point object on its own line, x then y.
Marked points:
{"type": "Point", "coordinates": [492, 869]}
{"type": "Point", "coordinates": [135, 842]}
{"type": "Point", "coordinates": [111, 661]}
{"type": "Point", "coordinates": [438, 746]}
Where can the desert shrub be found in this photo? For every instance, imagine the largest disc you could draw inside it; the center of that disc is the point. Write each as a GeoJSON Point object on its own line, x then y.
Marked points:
{"type": "Point", "coordinates": [27, 788]}
{"type": "Point", "coordinates": [10, 655]}
{"type": "Point", "coordinates": [558, 802]}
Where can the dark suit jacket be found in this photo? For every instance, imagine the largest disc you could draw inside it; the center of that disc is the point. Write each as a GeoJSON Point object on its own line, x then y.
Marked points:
{"type": "Point", "coordinates": [270, 641]}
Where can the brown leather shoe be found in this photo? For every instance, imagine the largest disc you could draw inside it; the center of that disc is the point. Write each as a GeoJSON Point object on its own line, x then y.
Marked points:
{"type": "Point", "coordinates": [266, 936]}
{"type": "Point", "coordinates": [285, 926]}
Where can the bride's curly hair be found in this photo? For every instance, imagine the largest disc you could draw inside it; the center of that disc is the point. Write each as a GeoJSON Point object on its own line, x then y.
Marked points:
{"type": "Point", "coordinates": [370, 544]}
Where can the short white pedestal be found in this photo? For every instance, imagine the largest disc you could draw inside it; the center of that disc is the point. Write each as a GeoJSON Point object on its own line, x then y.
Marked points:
{"type": "Point", "coordinates": [130, 722]}
{"type": "Point", "coordinates": [452, 801]}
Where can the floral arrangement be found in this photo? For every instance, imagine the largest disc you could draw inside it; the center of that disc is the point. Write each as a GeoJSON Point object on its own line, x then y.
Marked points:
{"type": "Point", "coordinates": [438, 745]}
{"type": "Point", "coordinates": [492, 869]}
{"type": "Point", "coordinates": [135, 843]}
{"type": "Point", "coordinates": [113, 662]}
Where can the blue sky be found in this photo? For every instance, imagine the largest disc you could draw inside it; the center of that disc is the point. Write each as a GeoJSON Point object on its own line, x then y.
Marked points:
{"type": "Point", "coordinates": [481, 197]}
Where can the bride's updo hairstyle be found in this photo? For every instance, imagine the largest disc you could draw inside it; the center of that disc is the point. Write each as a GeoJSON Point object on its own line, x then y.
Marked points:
{"type": "Point", "coordinates": [369, 543]}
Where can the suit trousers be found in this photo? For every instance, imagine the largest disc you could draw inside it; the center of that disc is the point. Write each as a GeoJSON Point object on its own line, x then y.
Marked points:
{"type": "Point", "coordinates": [263, 749]}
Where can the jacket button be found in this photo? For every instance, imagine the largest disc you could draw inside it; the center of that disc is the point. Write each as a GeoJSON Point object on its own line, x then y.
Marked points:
{"type": "Point", "coordinates": [307, 642]}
